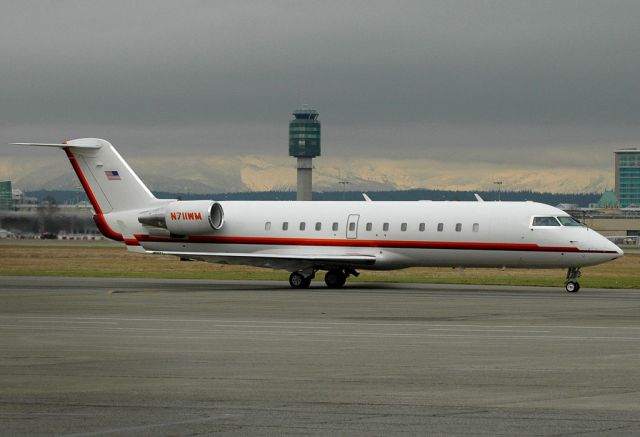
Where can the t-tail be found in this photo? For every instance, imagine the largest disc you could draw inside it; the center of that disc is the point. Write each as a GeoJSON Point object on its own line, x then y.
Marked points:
{"type": "Point", "coordinates": [110, 184]}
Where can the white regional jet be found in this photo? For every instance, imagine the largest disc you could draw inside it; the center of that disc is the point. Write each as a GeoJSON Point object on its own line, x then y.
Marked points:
{"type": "Point", "coordinates": [338, 237]}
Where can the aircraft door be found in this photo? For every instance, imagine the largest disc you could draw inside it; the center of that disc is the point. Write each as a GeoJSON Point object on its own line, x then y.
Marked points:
{"type": "Point", "coordinates": [352, 226]}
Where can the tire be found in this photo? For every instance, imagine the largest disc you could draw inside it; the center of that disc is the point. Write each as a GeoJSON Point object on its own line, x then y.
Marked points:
{"type": "Point", "coordinates": [335, 279]}
{"type": "Point", "coordinates": [297, 280]}
{"type": "Point", "coordinates": [572, 287]}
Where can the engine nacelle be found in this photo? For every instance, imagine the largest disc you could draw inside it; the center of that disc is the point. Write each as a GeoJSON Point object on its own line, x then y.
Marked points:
{"type": "Point", "coordinates": [186, 217]}
{"type": "Point", "coordinates": [192, 217]}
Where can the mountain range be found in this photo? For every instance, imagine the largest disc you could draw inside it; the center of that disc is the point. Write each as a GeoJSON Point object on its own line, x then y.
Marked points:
{"type": "Point", "coordinates": [206, 174]}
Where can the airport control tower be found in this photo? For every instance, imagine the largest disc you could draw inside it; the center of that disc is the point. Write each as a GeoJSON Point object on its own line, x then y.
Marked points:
{"type": "Point", "coordinates": [304, 144]}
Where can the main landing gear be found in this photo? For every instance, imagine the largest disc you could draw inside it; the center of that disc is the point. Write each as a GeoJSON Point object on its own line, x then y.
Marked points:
{"type": "Point", "coordinates": [298, 280]}
{"type": "Point", "coordinates": [571, 284]}
{"type": "Point", "coordinates": [334, 278]}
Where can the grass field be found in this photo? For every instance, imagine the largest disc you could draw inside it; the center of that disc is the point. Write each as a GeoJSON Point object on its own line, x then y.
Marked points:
{"type": "Point", "coordinates": [110, 261]}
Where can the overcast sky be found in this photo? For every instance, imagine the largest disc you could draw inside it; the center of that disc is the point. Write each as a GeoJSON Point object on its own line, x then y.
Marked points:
{"type": "Point", "coordinates": [526, 82]}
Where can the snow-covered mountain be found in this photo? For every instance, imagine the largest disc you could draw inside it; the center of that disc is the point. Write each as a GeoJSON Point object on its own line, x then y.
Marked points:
{"type": "Point", "coordinates": [205, 174]}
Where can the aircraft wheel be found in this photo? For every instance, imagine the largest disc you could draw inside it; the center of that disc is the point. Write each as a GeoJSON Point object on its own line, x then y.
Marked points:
{"type": "Point", "coordinates": [297, 280]}
{"type": "Point", "coordinates": [572, 287]}
{"type": "Point", "coordinates": [335, 278]}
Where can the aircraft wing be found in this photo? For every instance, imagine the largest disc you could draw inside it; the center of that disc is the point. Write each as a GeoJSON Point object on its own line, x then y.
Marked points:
{"type": "Point", "coordinates": [275, 260]}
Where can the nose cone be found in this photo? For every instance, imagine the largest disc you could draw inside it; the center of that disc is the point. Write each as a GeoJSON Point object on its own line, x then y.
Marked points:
{"type": "Point", "coordinates": [597, 249]}
{"type": "Point", "coordinates": [609, 247]}
{"type": "Point", "coordinates": [620, 251]}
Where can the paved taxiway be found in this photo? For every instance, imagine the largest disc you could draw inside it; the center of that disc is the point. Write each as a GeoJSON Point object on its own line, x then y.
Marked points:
{"type": "Point", "coordinates": [88, 357]}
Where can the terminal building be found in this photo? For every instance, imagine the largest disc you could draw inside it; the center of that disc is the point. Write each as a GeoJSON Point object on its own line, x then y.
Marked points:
{"type": "Point", "coordinates": [6, 196]}
{"type": "Point", "coordinates": [628, 177]}
{"type": "Point", "coordinates": [617, 214]}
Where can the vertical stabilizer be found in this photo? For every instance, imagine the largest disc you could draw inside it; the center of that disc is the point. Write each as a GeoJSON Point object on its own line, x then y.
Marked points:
{"type": "Point", "coordinates": [108, 180]}
{"type": "Point", "coordinates": [111, 185]}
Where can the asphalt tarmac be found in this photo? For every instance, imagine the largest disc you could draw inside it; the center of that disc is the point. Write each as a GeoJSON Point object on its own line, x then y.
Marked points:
{"type": "Point", "coordinates": [91, 357]}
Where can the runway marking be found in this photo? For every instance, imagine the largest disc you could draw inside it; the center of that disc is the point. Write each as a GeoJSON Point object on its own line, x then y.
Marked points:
{"type": "Point", "coordinates": [137, 328]}
{"type": "Point", "coordinates": [163, 335]}
{"type": "Point", "coordinates": [243, 327]}
{"type": "Point", "coordinates": [92, 322]}
{"type": "Point", "coordinates": [455, 329]}
{"type": "Point", "coordinates": [317, 322]}
{"type": "Point", "coordinates": [147, 427]}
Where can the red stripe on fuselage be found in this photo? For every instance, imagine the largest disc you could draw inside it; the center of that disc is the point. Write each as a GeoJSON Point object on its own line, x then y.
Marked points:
{"type": "Point", "coordinates": [98, 217]}
{"type": "Point", "coordinates": [395, 244]}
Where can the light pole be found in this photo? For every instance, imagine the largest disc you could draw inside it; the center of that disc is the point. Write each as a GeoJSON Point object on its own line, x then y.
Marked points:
{"type": "Point", "coordinates": [499, 184]}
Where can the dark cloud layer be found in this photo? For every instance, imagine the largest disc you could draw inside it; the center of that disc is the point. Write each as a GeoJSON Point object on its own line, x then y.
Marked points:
{"type": "Point", "coordinates": [503, 81]}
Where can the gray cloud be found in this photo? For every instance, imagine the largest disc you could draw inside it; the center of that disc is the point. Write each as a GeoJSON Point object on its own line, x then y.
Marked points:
{"type": "Point", "coordinates": [499, 81]}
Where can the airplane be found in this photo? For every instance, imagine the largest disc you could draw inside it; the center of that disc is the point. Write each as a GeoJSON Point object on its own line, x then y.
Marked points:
{"type": "Point", "coordinates": [337, 237]}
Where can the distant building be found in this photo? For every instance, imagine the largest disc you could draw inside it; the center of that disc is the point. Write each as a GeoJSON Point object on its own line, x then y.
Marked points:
{"type": "Point", "coordinates": [608, 200]}
{"type": "Point", "coordinates": [567, 206]}
{"type": "Point", "coordinates": [6, 196]}
{"type": "Point", "coordinates": [23, 203]}
{"type": "Point", "coordinates": [304, 144]}
{"type": "Point", "coordinates": [628, 177]}
{"type": "Point", "coordinates": [17, 195]}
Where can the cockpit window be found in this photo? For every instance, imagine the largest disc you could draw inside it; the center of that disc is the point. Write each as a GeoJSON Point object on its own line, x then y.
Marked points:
{"type": "Point", "coordinates": [569, 221]}
{"type": "Point", "coordinates": [545, 221]}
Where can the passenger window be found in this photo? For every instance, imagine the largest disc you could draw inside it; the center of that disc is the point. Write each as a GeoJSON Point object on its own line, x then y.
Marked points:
{"type": "Point", "coordinates": [476, 227]}
{"type": "Point", "coordinates": [285, 226]}
{"type": "Point", "coordinates": [302, 226]}
{"type": "Point", "coordinates": [352, 226]}
{"type": "Point", "coordinates": [267, 226]}
{"type": "Point", "coordinates": [440, 227]}
{"type": "Point", "coordinates": [385, 227]}
{"type": "Point", "coordinates": [318, 226]}
{"type": "Point", "coordinates": [421, 227]}
{"type": "Point", "coordinates": [335, 226]}
{"type": "Point", "coordinates": [369, 226]}
{"type": "Point", "coordinates": [403, 227]}
{"type": "Point", "coordinates": [458, 227]}
{"type": "Point", "coordinates": [545, 221]}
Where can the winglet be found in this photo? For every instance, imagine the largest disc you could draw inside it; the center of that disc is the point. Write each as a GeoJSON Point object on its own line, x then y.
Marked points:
{"type": "Point", "coordinates": [478, 198]}
{"type": "Point", "coordinates": [366, 198]}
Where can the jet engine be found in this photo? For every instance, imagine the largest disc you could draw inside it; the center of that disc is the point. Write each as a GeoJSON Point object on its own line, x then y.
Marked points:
{"type": "Point", "coordinates": [186, 217]}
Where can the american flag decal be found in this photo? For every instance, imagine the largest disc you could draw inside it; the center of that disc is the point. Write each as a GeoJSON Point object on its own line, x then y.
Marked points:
{"type": "Point", "coordinates": [112, 175]}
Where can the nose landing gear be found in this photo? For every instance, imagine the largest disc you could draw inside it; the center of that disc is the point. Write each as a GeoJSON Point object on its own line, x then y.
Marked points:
{"type": "Point", "coordinates": [571, 284]}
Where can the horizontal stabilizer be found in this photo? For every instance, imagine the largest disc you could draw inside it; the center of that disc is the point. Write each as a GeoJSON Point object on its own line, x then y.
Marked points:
{"type": "Point", "coordinates": [61, 145]}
